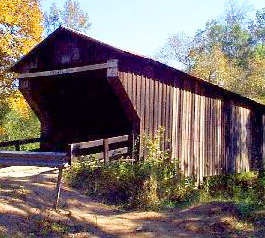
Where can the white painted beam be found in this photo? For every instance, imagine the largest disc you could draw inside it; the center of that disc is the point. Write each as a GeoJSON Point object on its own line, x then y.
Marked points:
{"type": "Point", "coordinates": [110, 65]}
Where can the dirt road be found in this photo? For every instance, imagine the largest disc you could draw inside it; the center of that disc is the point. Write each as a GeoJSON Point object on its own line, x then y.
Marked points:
{"type": "Point", "coordinates": [27, 196]}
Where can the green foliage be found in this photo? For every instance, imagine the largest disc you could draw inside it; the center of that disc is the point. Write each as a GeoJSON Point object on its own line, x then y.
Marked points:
{"type": "Point", "coordinates": [244, 188]}
{"type": "Point", "coordinates": [146, 184]}
{"type": "Point", "coordinates": [228, 51]}
{"type": "Point", "coordinates": [156, 181]}
{"type": "Point", "coordinates": [149, 183]}
{"type": "Point", "coordinates": [15, 127]}
{"type": "Point", "coordinates": [3, 235]}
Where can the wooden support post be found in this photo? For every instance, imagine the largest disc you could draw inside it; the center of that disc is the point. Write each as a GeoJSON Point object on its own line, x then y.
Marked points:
{"type": "Point", "coordinates": [17, 147]}
{"type": "Point", "coordinates": [72, 153]}
{"type": "Point", "coordinates": [106, 150]}
{"type": "Point", "coordinates": [131, 147]}
{"type": "Point", "coordinates": [58, 188]}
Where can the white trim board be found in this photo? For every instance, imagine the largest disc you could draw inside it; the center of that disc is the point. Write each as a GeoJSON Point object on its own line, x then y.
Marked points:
{"type": "Point", "coordinates": [112, 64]}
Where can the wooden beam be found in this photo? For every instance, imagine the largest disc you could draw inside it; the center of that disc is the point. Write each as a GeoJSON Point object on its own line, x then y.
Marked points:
{"type": "Point", "coordinates": [46, 159]}
{"type": "Point", "coordinates": [28, 154]}
{"type": "Point", "coordinates": [119, 151]}
{"type": "Point", "coordinates": [86, 145]}
{"type": "Point", "coordinates": [76, 148]}
{"type": "Point", "coordinates": [110, 65]}
{"type": "Point", "coordinates": [118, 139]}
{"type": "Point", "coordinates": [95, 143]}
{"type": "Point", "coordinates": [19, 142]}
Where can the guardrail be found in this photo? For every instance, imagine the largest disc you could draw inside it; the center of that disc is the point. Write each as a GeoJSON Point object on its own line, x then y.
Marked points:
{"type": "Point", "coordinates": [18, 143]}
{"type": "Point", "coordinates": [42, 159]}
{"type": "Point", "coordinates": [106, 148]}
{"type": "Point", "coordinates": [46, 159]}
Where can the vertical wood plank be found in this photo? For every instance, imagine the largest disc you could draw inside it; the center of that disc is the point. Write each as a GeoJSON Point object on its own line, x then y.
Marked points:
{"type": "Point", "coordinates": [179, 125]}
{"type": "Point", "coordinates": [170, 119]}
{"type": "Point", "coordinates": [164, 87]}
{"type": "Point", "coordinates": [147, 111]}
{"type": "Point", "coordinates": [106, 151]}
{"type": "Point", "coordinates": [202, 136]}
{"type": "Point", "coordinates": [134, 90]}
{"type": "Point", "coordinates": [156, 106]}
{"type": "Point", "coordinates": [159, 106]}
{"type": "Point", "coordinates": [17, 147]}
{"type": "Point", "coordinates": [192, 134]}
{"type": "Point", "coordinates": [174, 124]}
{"type": "Point", "coordinates": [139, 95]}
{"type": "Point", "coordinates": [152, 108]}
{"type": "Point", "coordinates": [197, 133]}
{"type": "Point", "coordinates": [184, 134]}
{"type": "Point", "coordinates": [167, 131]}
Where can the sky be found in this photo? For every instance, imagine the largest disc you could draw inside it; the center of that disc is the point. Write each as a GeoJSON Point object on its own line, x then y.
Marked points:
{"type": "Point", "coordinates": [142, 26]}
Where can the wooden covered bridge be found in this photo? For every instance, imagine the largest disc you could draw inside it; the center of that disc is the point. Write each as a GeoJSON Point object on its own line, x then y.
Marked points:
{"type": "Point", "coordinates": [82, 89]}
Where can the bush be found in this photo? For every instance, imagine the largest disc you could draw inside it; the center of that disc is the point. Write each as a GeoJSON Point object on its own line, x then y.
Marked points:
{"type": "Point", "coordinates": [15, 127]}
{"type": "Point", "coordinates": [151, 182]}
{"type": "Point", "coordinates": [247, 187]}
{"type": "Point", "coordinates": [145, 184]}
{"type": "Point", "coordinates": [155, 181]}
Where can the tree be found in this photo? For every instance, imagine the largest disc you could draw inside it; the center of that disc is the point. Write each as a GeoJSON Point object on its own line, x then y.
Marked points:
{"type": "Point", "coordinates": [20, 30]}
{"type": "Point", "coordinates": [52, 19]}
{"type": "Point", "coordinates": [177, 48]}
{"type": "Point", "coordinates": [214, 67]}
{"type": "Point", "coordinates": [260, 25]}
{"type": "Point", "coordinates": [229, 51]}
{"type": "Point", "coordinates": [71, 16]}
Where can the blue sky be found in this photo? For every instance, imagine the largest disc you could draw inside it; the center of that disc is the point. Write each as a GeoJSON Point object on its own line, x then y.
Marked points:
{"type": "Point", "coordinates": [142, 26]}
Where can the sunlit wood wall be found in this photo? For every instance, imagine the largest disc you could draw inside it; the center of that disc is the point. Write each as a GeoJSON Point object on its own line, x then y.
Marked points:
{"type": "Point", "coordinates": [208, 131]}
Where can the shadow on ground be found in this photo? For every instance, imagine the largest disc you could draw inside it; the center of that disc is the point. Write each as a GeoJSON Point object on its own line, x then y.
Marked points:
{"type": "Point", "coordinates": [26, 211]}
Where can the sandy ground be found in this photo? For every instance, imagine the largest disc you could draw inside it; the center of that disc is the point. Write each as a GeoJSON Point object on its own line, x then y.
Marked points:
{"type": "Point", "coordinates": [27, 197]}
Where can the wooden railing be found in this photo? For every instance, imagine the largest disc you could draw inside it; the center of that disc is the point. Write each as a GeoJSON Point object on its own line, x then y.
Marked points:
{"type": "Point", "coordinates": [42, 159]}
{"type": "Point", "coordinates": [46, 159]}
{"type": "Point", "coordinates": [106, 148]}
{"type": "Point", "coordinates": [18, 143]}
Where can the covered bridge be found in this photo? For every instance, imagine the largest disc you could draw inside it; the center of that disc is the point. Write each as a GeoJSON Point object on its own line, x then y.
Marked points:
{"type": "Point", "coordinates": [83, 89]}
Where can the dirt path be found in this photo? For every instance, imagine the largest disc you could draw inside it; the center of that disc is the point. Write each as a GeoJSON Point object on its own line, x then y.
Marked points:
{"type": "Point", "coordinates": [27, 196]}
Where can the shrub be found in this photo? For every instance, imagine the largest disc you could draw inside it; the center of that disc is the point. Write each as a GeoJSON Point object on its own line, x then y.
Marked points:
{"type": "Point", "coordinates": [146, 184]}
{"type": "Point", "coordinates": [15, 127]}
{"type": "Point", "coordinates": [155, 181]}
{"type": "Point", "coordinates": [149, 183]}
{"type": "Point", "coordinates": [246, 187]}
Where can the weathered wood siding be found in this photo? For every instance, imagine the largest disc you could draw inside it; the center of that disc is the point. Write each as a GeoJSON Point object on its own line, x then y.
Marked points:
{"type": "Point", "coordinates": [152, 101]}
{"type": "Point", "coordinates": [209, 129]}
{"type": "Point", "coordinates": [208, 132]}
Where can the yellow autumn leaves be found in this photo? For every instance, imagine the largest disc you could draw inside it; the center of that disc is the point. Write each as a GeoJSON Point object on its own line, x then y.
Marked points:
{"type": "Point", "coordinates": [215, 67]}
{"type": "Point", "coordinates": [18, 104]}
{"type": "Point", "coordinates": [20, 29]}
